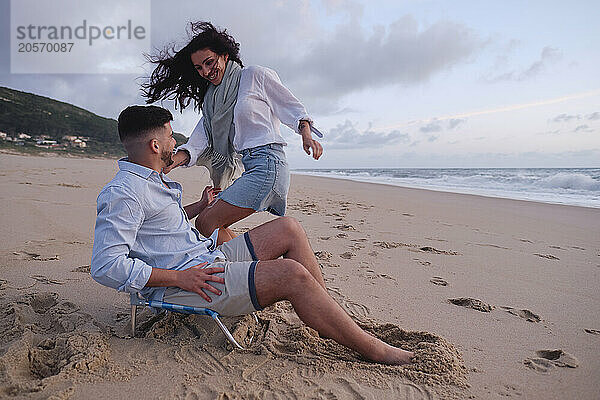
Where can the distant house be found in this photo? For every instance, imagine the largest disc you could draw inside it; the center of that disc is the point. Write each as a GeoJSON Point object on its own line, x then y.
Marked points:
{"type": "Point", "coordinates": [79, 143]}
{"type": "Point", "coordinates": [69, 138]}
{"type": "Point", "coordinates": [23, 136]}
{"type": "Point", "coordinates": [3, 135]}
{"type": "Point", "coordinates": [46, 143]}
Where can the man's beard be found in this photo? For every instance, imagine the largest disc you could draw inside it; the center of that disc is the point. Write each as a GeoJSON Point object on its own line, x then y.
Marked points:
{"type": "Point", "coordinates": [167, 157]}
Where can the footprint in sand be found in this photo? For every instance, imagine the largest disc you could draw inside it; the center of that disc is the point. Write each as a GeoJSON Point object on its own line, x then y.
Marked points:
{"type": "Point", "coordinates": [66, 340]}
{"type": "Point", "coordinates": [436, 239]}
{"type": "Point", "coordinates": [525, 314]}
{"type": "Point", "coordinates": [42, 302]}
{"type": "Point", "coordinates": [491, 245]}
{"type": "Point", "coordinates": [373, 253]}
{"type": "Point", "coordinates": [438, 280]}
{"type": "Point", "coordinates": [357, 246]}
{"type": "Point", "coordinates": [341, 235]}
{"type": "Point", "coordinates": [433, 250]}
{"type": "Point", "coordinates": [592, 331]}
{"type": "Point", "coordinates": [548, 359]}
{"type": "Point", "coordinates": [35, 256]}
{"type": "Point", "coordinates": [83, 268]}
{"type": "Point", "coordinates": [548, 256]}
{"type": "Point", "coordinates": [424, 263]}
{"type": "Point", "coordinates": [388, 245]}
{"type": "Point", "coordinates": [345, 227]}
{"type": "Point", "coordinates": [355, 310]}
{"type": "Point", "coordinates": [347, 255]}
{"type": "Point", "coordinates": [323, 255]}
{"type": "Point", "coordinates": [46, 280]}
{"type": "Point", "coordinates": [470, 302]}
{"type": "Point", "coordinates": [70, 185]}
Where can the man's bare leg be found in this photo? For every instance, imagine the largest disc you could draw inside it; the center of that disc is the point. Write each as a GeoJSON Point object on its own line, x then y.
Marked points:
{"type": "Point", "coordinates": [288, 280]}
{"type": "Point", "coordinates": [285, 237]}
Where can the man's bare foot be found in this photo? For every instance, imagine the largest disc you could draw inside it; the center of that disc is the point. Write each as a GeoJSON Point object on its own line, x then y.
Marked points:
{"type": "Point", "coordinates": [394, 356]}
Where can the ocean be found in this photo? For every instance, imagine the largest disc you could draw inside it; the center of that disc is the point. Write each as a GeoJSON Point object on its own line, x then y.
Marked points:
{"type": "Point", "coordinates": [573, 186]}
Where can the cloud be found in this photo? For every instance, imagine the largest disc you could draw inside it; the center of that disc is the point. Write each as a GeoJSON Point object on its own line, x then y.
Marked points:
{"type": "Point", "coordinates": [319, 63]}
{"type": "Point", "coordinates": [548, 56]}
{"type": "Point", "coordinates": [454, 122]}
{"type": "Point", "coordinates": [348, 6]}
{"type": "Point", "coordinates": [351, 59]}
{"type": "Point", "coordinates": [583, 128]}
{"type": "Point", "coordinates": [565, 118]}
{"type": "Point", "coordinates": [593, 116]}
{"type": "Point", "coordinates": [105, 95]}
{"type": "Point", "coordinates": [433, 126]}
{"type": "Point", "coordinates": [347, 136]}
{"type": "Point", "coordinates": [553, 132]}
{"type": "Point", "coordinates": [436, 126]}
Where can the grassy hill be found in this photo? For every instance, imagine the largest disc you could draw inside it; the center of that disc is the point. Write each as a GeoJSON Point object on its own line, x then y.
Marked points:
{"type": "Point", "coordinates": [22, 112]}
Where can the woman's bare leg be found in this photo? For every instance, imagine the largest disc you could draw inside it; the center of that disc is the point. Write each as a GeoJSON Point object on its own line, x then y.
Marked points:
{"type": "Point", "coordinates": [220, 215]}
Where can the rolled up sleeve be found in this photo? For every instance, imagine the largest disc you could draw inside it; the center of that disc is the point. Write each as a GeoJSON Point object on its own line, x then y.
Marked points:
{"type": "Point", "coordinates": [284, 104]}
{"type": "Point", "coordinates": [118, 221]}
{"type": "Point", "coordinates": [197, 143]}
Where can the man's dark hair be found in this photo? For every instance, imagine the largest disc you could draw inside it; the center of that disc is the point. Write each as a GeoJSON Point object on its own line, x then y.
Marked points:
{"type": "Point", "coordinates": [136, 121]}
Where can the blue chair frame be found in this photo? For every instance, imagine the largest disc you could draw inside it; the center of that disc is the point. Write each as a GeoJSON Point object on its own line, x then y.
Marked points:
{"type": "Point", "coordinates": [137, 301]}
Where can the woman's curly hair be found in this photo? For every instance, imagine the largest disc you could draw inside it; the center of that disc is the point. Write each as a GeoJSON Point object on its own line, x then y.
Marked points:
{"type": "Point", "coordinates": [175, 77]}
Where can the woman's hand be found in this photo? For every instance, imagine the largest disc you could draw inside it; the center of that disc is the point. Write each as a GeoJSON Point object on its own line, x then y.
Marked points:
{"type": "Point", "coordinates": [209, 194]}
{"type": "Point", "coordinates": [182, 157]}
{"type": "Point", "coordinates": [308, 143]}
{"type": "Point", "coordinates": [195, 279]}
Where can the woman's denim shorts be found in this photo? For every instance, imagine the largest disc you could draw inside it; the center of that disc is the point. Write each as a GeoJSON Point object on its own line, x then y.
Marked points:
{"type": "Point", "coordinates": [265, 182]}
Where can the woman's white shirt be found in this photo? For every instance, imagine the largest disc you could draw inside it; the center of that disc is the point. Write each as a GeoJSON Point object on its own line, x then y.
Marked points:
{"type": "Point", "coordinates": [263, 102]}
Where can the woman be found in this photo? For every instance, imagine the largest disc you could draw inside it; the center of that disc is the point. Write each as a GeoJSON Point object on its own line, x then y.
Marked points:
{"type": "Point", "coordinates": [242, 109]}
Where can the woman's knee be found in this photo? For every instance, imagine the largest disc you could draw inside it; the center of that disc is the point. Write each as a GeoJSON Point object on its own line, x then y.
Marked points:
{"type": "Point", "coordinates": [204, 224]}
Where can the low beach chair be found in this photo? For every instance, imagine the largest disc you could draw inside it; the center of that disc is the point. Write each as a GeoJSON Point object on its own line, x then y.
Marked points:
{"type": "Point", "coordinates": [137, 301]}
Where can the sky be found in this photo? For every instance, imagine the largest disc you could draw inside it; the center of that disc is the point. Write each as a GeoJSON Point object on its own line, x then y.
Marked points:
{"type": "Point", "coordinates": [391, 84]}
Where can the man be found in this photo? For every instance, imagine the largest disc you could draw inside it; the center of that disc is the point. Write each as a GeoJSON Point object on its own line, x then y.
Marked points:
{"type": "Point", "coordinates": [143, 242]}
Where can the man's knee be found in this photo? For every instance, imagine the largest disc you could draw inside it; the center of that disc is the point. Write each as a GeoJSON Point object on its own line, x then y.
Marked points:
{"type": "Point", "coordinates": [295, 275]}
{"type": "Point", "coordinates": [282, 279]}
{"type": "Point", "coordinates": [292, 227]}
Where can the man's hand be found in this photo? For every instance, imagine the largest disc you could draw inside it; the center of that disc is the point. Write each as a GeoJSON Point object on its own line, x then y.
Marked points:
{"type": "Point", "coordinates": [182, 157]}
{"type": "Point", "coordinates": [308, 143]}
{"type": "Point", "coordinates": [195, 279]}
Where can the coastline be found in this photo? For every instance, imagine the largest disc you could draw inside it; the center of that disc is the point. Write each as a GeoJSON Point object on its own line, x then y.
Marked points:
{"type": "Point", "coordinates": [468, 191]}
{"type": "Point", "coordinates": [390, 255]}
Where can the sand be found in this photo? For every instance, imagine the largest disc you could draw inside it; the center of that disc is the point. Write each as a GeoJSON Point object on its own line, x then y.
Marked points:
{"type": "Point", "coordinates": [498, 298]}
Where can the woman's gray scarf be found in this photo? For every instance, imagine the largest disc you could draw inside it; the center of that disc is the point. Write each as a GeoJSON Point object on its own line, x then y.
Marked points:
{"type": "Point", "coordinates": [217, 109]}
